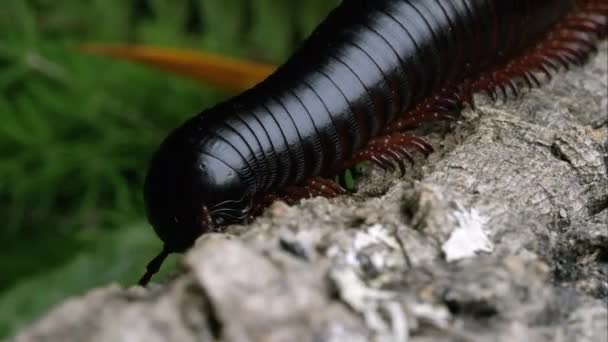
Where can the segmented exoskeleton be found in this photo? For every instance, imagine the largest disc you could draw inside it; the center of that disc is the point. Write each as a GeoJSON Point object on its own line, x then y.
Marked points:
{"type": "Point", "coordinates": [372, 70]}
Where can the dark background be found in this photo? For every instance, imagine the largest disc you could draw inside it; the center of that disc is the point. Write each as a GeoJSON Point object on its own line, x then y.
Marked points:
{"type": "Point", "coordinates": [76, 131]}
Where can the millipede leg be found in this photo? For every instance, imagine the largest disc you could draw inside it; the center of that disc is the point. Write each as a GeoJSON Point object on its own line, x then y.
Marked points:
{"type": "Point", "coordinates": [570, 43]}
{"type": "Point", "coordinates": [445, 104]}
{"type": "Point", "coordinates": [312, 187]}
{"type": "Point", "coordinates": [316, 186]}
{"type": "Point", "coordinates": [324, 187]}
{"type": "Point", "coordinates": [392, 151]}
{"type": "Point", "coordinates": [263, 203]}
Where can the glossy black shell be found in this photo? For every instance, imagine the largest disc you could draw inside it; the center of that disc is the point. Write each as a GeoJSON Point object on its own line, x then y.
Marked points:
{"type": "Point", "coordinates": [369, 61]}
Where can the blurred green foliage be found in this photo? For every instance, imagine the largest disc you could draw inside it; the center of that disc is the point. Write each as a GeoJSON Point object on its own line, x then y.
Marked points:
{"type": "Point", "coordinates": [76, 131]}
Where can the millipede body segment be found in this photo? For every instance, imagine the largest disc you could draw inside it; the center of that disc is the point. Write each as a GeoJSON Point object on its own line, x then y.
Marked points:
{"type": "Point", "coordinates": [372, 70]}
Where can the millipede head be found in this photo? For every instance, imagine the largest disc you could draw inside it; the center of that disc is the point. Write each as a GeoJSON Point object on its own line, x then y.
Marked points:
{"type": "Point", "coordinates": [189, 192]}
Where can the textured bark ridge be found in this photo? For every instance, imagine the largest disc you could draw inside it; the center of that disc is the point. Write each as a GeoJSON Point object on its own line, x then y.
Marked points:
{"type": "Point", "coordinates": [500, 236]}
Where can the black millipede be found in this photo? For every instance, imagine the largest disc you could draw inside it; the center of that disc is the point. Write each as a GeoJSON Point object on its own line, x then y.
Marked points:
{"type": "Point", "coordinates": [369, 73]}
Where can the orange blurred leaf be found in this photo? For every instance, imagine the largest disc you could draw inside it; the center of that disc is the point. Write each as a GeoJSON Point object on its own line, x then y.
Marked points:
{"type": "Point", "coordinates": [223, 72]}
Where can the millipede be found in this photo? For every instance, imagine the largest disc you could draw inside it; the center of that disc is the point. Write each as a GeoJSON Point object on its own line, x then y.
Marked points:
{"type": "Point", "coordinates": [353, 92]}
